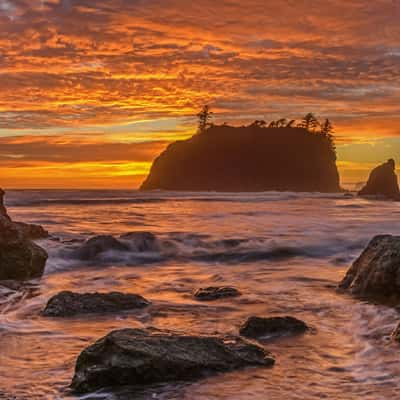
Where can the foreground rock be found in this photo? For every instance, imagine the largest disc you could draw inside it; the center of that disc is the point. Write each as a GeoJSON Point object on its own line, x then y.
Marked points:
{"type": "Point", "coordinates": [215, 293]}
{"type": "Point", "coordinates": [135, 357]}
{"type": "Point", "coordinates": [66, 304]}
{"type": "Point", "coordinates": [20, 258]}
{"type": "Point", "coordinates": [31, 231]}
{"type": "Point", "coordinates": [382, 182]}
{"type": "Point", "coordinates": [257, 327]}
{"type": "Point", "coordinates": [376, 273]}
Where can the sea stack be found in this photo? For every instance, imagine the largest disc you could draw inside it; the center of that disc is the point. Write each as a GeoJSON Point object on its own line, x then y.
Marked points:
{"type": "Point", "coordinates": [382, 182]}
{"type": "Point", "coordinates": [245, 159]}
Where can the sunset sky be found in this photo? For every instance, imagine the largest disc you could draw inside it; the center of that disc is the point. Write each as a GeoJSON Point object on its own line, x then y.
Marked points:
{"type": "Point", "coordinates": [92, 90]}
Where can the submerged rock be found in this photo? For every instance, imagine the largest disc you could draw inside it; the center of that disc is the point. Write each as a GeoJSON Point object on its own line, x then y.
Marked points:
{"type": "Point", "coordinates": [67, 303]}
{"type": "Point", "coordinates": [136, 357]}
{"type": "Point", "coordinates": [134, 242]}
{"type": "Point", "coordinates": [257, 327]}
{"type": "Point", "coordinates": [142, 241]}
{"type": "Point", "coordinates": [97, 245]}
{"type": "Point", "coordinates": [216, 292]}
{"type": "Point", "coordinates": [376, 273]}
{"type": "Point", "coordinates": [382, 182]}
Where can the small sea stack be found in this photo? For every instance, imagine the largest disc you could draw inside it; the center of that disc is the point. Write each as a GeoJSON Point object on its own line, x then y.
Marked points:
{"type": "Point", "coordinates": [382, 182]}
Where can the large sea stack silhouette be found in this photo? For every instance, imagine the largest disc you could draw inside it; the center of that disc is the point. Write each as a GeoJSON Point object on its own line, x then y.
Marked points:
{"type": "Point", "coordinates": [250, 158]}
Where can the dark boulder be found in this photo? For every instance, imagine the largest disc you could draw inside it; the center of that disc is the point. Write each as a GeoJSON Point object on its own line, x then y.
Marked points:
{"type": "Point", "coordinates": [257, 327]}
{"type": "Point", "coordinates": [376, 272]}
{"type": "Point", "coordinates": [136, 357]}
{"type": "Point", "coordinates": [216, 292]}
{"type": "Point", "coordinates": [20, 258]}
{"type": "Point", "coordinates": [382, 182]}
{"type": "Point", "coordinates": [66, 304]}
{"type": "Point", "coordinates": [99, 244]}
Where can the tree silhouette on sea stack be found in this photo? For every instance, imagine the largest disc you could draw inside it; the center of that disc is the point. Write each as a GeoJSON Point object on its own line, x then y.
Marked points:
{"type": "Point", "coordinates": [204, 117]}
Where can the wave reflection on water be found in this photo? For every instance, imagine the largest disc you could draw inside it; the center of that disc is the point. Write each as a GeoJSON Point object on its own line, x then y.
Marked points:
{"type": "Point", "coordinates": [284, 251]}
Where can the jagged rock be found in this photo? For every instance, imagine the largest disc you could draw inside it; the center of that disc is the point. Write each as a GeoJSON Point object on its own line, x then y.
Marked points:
{"type": "Point", "coordinates": [376, 273]}
{"type": "Point", "coordinates": [20, 259]}
{"type": "Point", "coordinates": [67, 303]}
{"type": "Point", "coordinates": [97, 245]}
{"type": "Point", "coordinates": [252, 158]}
{"type": "Point", "coordinates": [142, 241]}
{"type": "Point", "coordinates": [136, 357]}
{"type": "Point", "coordinates": [215, 292]}
{"type": "Point", "coordinates": [382, 182]}
{"type": "Point", "coordinates": [257, 327]}
{"type": "Point", "coordinates": [32, 231]}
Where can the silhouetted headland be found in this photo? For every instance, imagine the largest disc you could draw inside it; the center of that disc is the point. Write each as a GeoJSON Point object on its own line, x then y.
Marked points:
{"type": "Point", "coordinates": [249, 158]}
{"type": "Point", "coordinates": [382, 182]}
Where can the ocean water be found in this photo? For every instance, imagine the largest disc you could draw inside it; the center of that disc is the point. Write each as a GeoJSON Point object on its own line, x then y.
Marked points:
{"type": "Point", "coordinates": [285, 252]}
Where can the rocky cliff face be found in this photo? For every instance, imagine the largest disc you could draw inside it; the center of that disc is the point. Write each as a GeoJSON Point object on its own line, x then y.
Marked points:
{"type": "Point", "coordinates": [250, 158]}
{"type": "Point", "coordinates": [382, 182]}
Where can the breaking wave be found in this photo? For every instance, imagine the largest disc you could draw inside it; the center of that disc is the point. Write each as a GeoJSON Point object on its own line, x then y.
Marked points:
{"type": "Point", "coordinates": [138, 248]}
